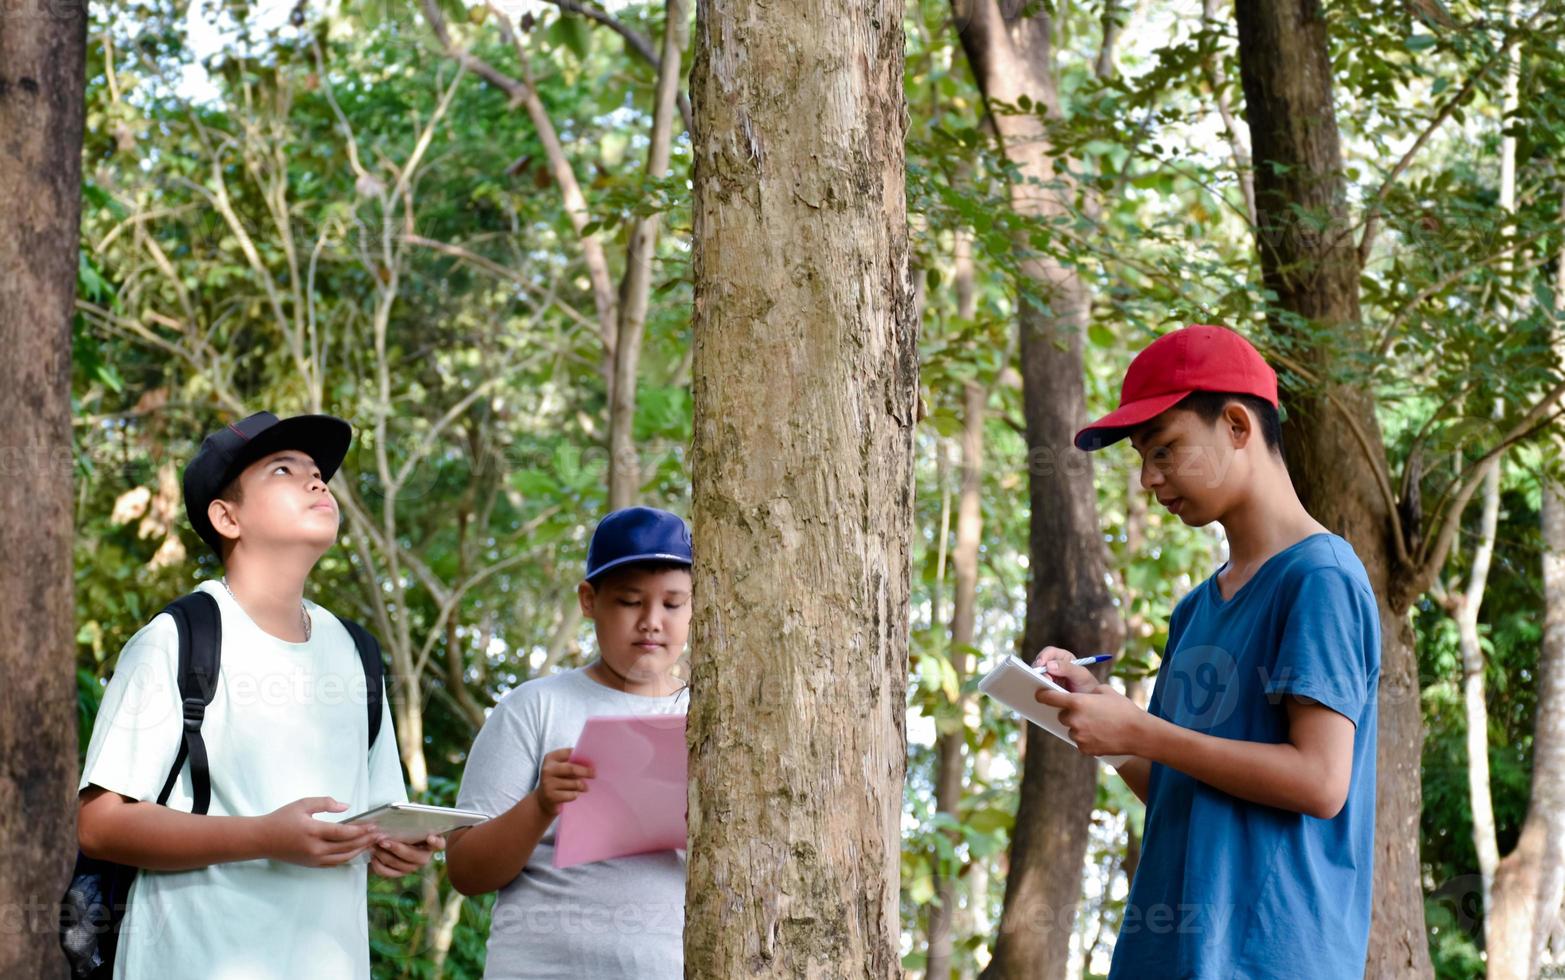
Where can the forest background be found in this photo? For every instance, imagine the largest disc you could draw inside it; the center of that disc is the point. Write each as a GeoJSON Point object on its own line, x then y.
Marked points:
{"type": "Point", "coordinates": [468, 229]}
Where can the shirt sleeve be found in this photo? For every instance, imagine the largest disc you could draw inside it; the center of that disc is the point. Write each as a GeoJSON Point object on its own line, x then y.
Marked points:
{"type": "Point", "coordinates": [137, 733]}
{"type": "Point", "coordinates": [1330, 647]}
{"type": "Point", "coordinates": [502, 766]}
{"type": "Point", "coordinates": [386, 782]}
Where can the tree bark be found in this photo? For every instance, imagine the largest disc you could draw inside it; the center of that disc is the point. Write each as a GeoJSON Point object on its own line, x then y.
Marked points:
{"type": "Point", "coordinates": [1332, 439]}
{"type": "Point", "coordinates": [805, 377]}
{"type": "Point", "coordinates": [42, 78]}
{"type": "Point", "coordinates": [1068, 604]}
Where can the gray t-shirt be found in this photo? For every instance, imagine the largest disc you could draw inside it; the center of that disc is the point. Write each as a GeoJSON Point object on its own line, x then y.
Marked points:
{"type": "Point", "coordinates": [604, 920]}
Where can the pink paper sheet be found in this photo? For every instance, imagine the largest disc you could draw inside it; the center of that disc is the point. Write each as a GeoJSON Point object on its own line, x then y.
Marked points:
{"type": "Point", "coordinates": [636, 803]}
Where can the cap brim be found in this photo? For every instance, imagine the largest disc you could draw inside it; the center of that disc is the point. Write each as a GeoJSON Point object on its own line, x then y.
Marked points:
{"type": "Point", "coordinates": [324, 438]}
{"type": "Point", "coordinates": [597, 573]}
{"type": "Point", "coordinates": [1117, 424]}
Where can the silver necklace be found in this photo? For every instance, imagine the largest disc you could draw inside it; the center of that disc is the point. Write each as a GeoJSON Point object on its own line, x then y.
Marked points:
{"type": "Point", "coordinates": [304, 614]}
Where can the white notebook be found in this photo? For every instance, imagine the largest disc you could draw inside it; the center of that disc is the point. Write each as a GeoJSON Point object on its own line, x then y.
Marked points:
{"type": "Point", "coordinates": [1014, 685]}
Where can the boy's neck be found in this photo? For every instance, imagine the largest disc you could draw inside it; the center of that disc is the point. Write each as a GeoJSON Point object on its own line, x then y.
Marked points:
{"type": "Point", "coordinates": [1269, 519]}
{"type": "Point", "coordinates": [271, 591]}
{"type": "Point", "coordinates": [600, 672]}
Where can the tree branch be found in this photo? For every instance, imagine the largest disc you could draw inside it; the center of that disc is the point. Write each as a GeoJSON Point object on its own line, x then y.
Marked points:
{"type": "Point", "coordinates": [637, 42]}
{"type": "Point", "coordinates": [1377, 461]}
{"type": "Point", "coordinates": [1388, 335]}
{"type": "Point", "coordinates": [523, 93]}
{"type": "Point", "coordinates": [1450, 517]}
{"type": "Point", "coordinates": [1372, 209]}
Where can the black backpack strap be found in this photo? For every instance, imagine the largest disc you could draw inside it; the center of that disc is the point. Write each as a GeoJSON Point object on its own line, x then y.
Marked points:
{"type": "Point", "coordinates": [200, 655]}
{"type": "Point", "coordinates": [374, 672]}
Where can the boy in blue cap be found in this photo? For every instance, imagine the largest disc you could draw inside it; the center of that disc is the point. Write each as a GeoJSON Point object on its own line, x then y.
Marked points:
{"type": "Point", "coordinates": [1256, 756]}
{"type": "Point", "coordinates": [622, 918]}
{"type": "Point", "coordinates": [252, 884]}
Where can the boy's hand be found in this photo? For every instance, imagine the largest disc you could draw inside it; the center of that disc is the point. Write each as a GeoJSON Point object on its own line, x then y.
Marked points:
{"type": "Point", "coordinates": [393, 858]}
{"type": "Point", "coordinates": [291, 834]}
{"type": "Point", "coordinates": [1101, 722]}
{"type": "Point", "coordinates": [561, 782]}
{"type": "Point", "coordinates": [1072, 677]}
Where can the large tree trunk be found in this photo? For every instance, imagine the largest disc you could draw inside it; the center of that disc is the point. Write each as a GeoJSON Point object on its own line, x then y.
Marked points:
{"type": "Point", "coordinates": [1529, 884]}
{"type": "Point", "coordinates": [42, 72]}
{"type": "Point", "coordinates": [1311, 264]}
{"type": "Point", "coordinates": [1068, 604]}
{"type": "Point", "coordinates": [805, 376]}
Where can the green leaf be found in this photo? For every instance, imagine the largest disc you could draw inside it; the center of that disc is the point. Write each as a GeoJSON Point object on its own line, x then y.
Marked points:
{"type": "Point", "coordinates": [570, 32]}
{"type": "Point", "coordinates": [989, 819]}
{"type": "Point", "coordinates": [947, 425]}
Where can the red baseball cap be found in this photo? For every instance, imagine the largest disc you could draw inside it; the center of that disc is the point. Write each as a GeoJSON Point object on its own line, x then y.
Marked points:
{"type": "Point", "coordinates": [1195, 358]}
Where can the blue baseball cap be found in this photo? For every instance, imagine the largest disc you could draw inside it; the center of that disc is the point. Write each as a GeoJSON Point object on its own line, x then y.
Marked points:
{"type": "Point", "coordinates": [634, 534]}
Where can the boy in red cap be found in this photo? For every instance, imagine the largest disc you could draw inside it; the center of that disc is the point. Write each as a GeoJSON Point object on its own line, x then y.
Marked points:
{"type": "Point", "coordinates": [1256, 755]}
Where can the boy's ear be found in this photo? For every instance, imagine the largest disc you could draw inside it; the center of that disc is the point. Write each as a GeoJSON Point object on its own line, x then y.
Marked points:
{"type": "Point", "coordinates": [1236, 421]}
{"type": "Point", "coordinates": [222, 514]}
{"type": "Point", "coordinates": [585, 594]}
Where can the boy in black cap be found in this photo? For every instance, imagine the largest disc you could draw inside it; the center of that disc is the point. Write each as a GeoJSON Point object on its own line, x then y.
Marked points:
{"type": "Point", "coordinates": [257, 886]}
{"type": "Point", "coordinates": [621, 918]}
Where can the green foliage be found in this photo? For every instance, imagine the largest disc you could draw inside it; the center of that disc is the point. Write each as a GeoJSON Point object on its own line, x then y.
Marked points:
{"type": "Point", "coordinates": [188, 315]}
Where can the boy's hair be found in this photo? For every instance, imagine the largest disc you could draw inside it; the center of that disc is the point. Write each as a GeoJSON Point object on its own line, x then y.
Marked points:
{"type": "Point", "coordinates": [1208, 407]}
{"type": "Point", "coordinates": [650, 565]}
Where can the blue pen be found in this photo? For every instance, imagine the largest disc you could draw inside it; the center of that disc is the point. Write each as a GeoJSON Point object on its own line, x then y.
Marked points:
{"type": "Point", "coordinates": [1089, 661]}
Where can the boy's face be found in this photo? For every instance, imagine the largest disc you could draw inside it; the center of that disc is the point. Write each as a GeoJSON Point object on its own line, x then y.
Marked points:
{"type": "Point", "coordinates": [641, 618]}
{"type": "Point", "coordinates": [283, 503]}
{"type": "Point", "coordinates": [1197, 469]}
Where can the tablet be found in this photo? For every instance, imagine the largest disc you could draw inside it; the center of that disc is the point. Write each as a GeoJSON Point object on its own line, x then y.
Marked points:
{"type": "Point", "coordinates": [412, 822]}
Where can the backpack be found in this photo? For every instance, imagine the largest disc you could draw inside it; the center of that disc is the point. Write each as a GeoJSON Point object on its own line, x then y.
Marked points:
{"type": "Point", "coordinates": [95, 901]}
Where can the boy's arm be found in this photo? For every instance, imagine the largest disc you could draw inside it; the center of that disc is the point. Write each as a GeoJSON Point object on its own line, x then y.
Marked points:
{"type": "Point", "coordinates": [1309, 773]}
{"type": "Point", "coordinates": [1137, 774]}
{"type": "Point", "coordinates": [117, 828]}
{"type": "Point", "coordinates": [489, 856]}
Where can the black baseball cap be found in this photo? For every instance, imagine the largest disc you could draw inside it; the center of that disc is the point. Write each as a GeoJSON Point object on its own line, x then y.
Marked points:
{"type": "Point", "coordinates": [226, 452]}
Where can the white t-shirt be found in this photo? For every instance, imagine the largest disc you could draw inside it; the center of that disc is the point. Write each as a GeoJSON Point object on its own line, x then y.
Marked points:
{"type": "Point", "coordinates": [621, 919]}
{"type": "Point", "coordinates": [288, 721]}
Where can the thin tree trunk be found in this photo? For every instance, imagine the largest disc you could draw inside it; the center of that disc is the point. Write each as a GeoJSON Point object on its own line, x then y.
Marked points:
{"type": "Point", "coordinates": [1465, 608]}
{"type": "Point", "coordinates": [1068, 604]}
{"type": "Point", "coordinates": [42, 57]}
{"type": "Point", "coordinates": [1308, 260]}
{"type": "Point", "coordinates": [636, 286]}
{"type": "Point", "coordinates": [975, 920]}
{"type": "Point", "coordinates": [1474, 697]}
{"type": "Point", "coordinates": [1217, 79]}
{"type": "Point", "coordinates": [948, 746]}
{"type": "Point", "coordinates": [805, 373]}
{"type": "Point", "coordinates": [1529, 884]}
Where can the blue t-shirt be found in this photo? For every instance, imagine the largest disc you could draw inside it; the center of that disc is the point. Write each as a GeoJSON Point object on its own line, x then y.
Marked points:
{"type": "Point", "coordinates": [1227, 888]}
